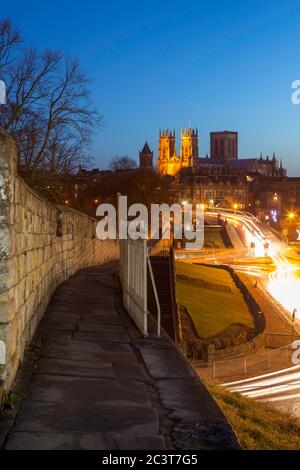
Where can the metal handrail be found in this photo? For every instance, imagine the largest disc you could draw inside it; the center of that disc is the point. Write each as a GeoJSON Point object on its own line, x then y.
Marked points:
{"type": "Point", "coordinates": [155, 293]}
{"type": "Point", "coordinates": [174, 304]}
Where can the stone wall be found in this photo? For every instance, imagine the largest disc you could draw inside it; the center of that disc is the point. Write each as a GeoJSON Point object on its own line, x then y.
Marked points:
{"type": "Point", "coordinates": [41, 245]}
{"type": "Point", "coordinates": [241, 350]}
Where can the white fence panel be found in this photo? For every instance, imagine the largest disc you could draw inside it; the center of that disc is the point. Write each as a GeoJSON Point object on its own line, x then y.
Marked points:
{"type": "Point", "coordinates": [133, 274]}
{"type": "Point", "coordinates": [270, 360]}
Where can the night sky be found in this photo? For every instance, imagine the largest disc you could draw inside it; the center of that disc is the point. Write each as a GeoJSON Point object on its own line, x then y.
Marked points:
{"type": "Point", "coordinates": [155, 64]}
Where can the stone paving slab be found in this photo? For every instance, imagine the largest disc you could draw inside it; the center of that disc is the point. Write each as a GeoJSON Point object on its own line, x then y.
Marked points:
{"type": "Point", "coordinates": [84, 301]}
{"type": "Point", "coordinates": [97, 319]}
{"type": "Point", "coordinates": [102, 392]}
{"type": "Point", "coordinates": [89, 344]}
{"type": "Point", "coordinates": [57, 325]}
{"type": "Point", "coordinates": [129, 370]}
{"type": "Point", "coordinates": [57, 441]}
{"type": "Point", "coordinates": [164, 363]}
{"type": "Point", "coordinates": [64, 335]}
{"type": "Point", "coordinates": [88, 350]}
{"type": "Point", "coordinates": [183, 397]}
{"type": "Point", "coordinates": [88, 327]}
{"type": "Point", "coordinates": [45, 416]}
{"type": "Point", "coordinates": [62, 366]}
{"type": "Point", "coordinates": [135, 442]}
{"type": "Point", "coordinates": [96, 441]}
{"type": "Point", "coordinates": [82, 312]}
{"type": "Point", "coordinates": [100, 336]}
{"type": "Point", "coordinates": [61, 317]}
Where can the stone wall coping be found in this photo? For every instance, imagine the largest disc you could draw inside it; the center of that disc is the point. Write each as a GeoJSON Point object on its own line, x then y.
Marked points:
{"type": "Point", "coordinates": [75, 211]}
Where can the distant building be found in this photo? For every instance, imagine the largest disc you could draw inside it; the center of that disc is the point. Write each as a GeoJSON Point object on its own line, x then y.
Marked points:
{"type": "Point", "coordinates": [275, 198]}
{"type": "Point", "coordinates": [214, 191]}
{"type": "Point", "coordinates": [269, 167]}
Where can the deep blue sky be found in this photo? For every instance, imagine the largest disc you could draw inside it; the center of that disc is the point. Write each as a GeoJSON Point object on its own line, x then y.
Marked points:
{"type": "Point", "coordinates": [156, 64]}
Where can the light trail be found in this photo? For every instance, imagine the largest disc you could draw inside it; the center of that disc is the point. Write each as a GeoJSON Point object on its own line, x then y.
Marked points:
{"type": "Point", "coordinates": [283, 284]}
{"type": "Point", "coordinates": [281, 387]}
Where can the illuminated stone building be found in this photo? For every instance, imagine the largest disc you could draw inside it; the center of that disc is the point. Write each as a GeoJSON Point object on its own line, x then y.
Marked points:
{"type": "Point", "coordinates": [169, 163]}
{"type": "Point", "coordinates": [275, 199]}
{"type": "Point", "coordinates": [214, 191]}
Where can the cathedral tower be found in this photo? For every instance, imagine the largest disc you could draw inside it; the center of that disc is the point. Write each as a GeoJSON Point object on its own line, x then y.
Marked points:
{"type": "Point", "coordinates": [189, 150]}
{"type": "Point", "coordinates": [168, 163]}
{"type": "Point", "coordinates": [224, 146]}
{"type": "Point", "coordinates": [146, 157]}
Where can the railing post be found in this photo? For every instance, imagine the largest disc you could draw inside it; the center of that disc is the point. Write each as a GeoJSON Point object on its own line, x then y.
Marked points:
{"type": "Point", "coordinates": [144, 287]}
{"type": "Point", "coordinates": [128, 275]}
{"type": "Point", "coordinates": [155, 295]}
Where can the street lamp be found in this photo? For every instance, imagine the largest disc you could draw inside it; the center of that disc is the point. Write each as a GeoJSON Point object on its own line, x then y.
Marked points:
{"type": "Point", "coordinates": [235, 206]}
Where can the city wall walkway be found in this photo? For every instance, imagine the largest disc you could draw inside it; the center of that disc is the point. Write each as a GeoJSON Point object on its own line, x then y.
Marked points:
{"type": "Point", "coordinates": [90, 381]}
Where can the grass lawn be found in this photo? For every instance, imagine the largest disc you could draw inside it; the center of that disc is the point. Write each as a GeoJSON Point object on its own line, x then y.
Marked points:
{"type": "Point", "coordinates": [257, 425]}
{"type": "Point", "coordinates": [210, 309]}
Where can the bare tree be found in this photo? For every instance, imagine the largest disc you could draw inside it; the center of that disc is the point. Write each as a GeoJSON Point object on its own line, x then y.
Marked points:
{"type": "Point", "coordinates": [122, 163]}
{"type": "Point", "coordinates": [48, 111]}
{"type": "Point", "coordinates": [9, 39]}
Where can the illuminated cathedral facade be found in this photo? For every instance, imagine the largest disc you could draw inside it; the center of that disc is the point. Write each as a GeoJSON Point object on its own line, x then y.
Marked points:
{"type": "Point", "coordinates": [169, 163]}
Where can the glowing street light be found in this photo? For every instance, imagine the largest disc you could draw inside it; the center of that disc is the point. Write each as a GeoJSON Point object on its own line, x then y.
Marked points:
{"type": "Point", "coordinates": [291, 215]}
{"type": "Point", "coordinates": [235, 206]}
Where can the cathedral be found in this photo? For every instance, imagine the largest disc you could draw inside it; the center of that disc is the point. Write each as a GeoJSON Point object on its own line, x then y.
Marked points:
{"type": "Point", "coordinates": [224, 149]}
{"type": "Point", "coordinates": [223, 160]}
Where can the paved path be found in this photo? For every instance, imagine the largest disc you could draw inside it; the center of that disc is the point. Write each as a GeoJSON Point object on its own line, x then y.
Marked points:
{"type": "Point", "coordinates": [97, 384]}
{"type": "Point", "coordinates": [89, 389]}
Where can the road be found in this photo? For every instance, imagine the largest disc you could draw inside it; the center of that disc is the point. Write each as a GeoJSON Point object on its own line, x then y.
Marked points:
{"type": "Point", "coordinates": [281, 285]}
{"type": "Point", "coordinates": [281, 388]}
